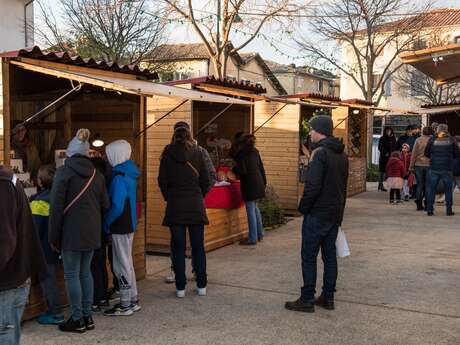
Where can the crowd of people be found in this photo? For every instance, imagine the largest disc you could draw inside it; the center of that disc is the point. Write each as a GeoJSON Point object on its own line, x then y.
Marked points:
{"type": "Point", "coordinates": [86, 212]}
{"type": "Point", "coordinates": [421, 166]}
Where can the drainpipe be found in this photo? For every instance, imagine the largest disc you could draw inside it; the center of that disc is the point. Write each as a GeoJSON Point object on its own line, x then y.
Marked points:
{"type": "Point", "coordinates": [26, 29]}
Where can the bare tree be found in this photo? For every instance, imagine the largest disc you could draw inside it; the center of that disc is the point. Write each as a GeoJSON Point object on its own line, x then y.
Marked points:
{"type": "Point", "coordinates": [413, 83]}
{"type": "Point", "coordinates": [364, 30]}
{"type": "Point", "coordinates": [115, 30]}
{"type": "Point", "coordinates": [217, 33]}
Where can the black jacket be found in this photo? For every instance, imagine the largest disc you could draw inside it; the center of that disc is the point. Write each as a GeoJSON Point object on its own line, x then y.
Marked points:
{"type": "Point", "coordinates": [326, 182]}
{"type": "Point", "coordinates": [80, 228]}
{"type": "Point", "coordinates": [184, 180]}
{"type": "Point", "coordinates": [387, 144]}
{"type": "Point", "coordinates": [250, 170]}
{"type": "Point", "coordinates": [21, 255]}
{"type": "Point", "coordinates": [442, 151]}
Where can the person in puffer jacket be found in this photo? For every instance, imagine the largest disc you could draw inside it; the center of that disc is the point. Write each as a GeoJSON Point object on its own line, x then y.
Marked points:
{"type": "Point", "coordinates": [456, 169]}
{"type": "Point", "coordinates": [442, 150]}
{"type": "Point", "coordinates": [120, 222]}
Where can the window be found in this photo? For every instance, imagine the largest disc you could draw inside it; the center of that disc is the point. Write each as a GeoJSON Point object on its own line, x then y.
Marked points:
{"type": "Point", "coordinates": [419, 44]}
{"type": "Point", "coordinates": [387, 87]}
{"type": "Point", "coordinates": [457, 39]}
{"type": "Point", "coordinates": [375, 81]}
{"type": "Point", "coordinates": [417, 83]}
{"type": "Point", "coordinates": [320, 86]}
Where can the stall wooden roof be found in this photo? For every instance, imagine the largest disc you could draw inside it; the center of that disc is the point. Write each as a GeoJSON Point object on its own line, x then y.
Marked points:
{"type": "Point", "coordinates": [132, 86]}
{"type": "Point", "coordinates": [65, 58]}
{"type": "Point", "coordinates": [440, 63]}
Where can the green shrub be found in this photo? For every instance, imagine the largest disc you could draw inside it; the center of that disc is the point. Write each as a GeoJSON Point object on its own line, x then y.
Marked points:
{"type": "Point", "coordinates": [272, 214]}
{"type": "Point", "coordinates": [372, 174]}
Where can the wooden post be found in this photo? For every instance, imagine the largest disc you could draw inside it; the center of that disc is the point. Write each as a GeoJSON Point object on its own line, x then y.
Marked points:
{"type": "Point", "coordinates": [6, 69]}
{"type": "Point", "coordinates": [68, 122]}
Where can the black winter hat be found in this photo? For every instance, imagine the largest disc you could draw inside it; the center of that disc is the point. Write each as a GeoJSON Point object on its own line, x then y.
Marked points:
{"type": "Point", "coordinates": [322, 124]}
{"type": "Point", "coordinates": [181, 124]}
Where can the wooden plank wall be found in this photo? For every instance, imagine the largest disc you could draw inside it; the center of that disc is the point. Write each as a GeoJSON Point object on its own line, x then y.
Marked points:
{"type": "Point", "coordinates": [339, 117]}
{"type": "Point", "coordinates": [278, 142]}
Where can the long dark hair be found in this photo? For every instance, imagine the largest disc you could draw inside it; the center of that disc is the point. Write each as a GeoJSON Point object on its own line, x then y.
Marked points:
{"type": "Point", "coordinates": [385, 130]}
{"type": "Point", "coordinates": [182, 135]}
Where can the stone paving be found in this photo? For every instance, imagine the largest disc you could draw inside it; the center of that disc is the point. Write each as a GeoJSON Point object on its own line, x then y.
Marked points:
{"type": "Point", "coordinates": [400, 286]}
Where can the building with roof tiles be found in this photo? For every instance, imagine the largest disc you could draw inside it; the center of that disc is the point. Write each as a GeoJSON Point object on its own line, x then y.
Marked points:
{"type": "Point", "coordinates": [437, 27]}
{"type": "Point", "coordinates": [188, 61]}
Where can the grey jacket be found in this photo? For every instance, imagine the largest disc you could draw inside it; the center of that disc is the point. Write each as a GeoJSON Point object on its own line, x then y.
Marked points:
{"type": "Point", "coordinates": [209, 166]}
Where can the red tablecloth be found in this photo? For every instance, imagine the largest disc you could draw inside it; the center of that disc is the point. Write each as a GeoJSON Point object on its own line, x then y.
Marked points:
{"type": "Point", "coordinates": [226, 197]}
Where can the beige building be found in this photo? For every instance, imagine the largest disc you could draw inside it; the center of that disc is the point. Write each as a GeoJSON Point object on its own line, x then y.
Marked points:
{"type": "Point", "coordinates": [187, 61]}
{"type": "Point", "coordinates": [305, 79]}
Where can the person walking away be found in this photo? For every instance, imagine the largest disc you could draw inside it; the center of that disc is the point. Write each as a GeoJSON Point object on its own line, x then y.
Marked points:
{"type": "Point", "coordinates": [121, 222]}
{"type": "Point", "coordinates": [456, 169]}
{"type": "Point", "coordinates": [419, 164]}
{"type": "Point", "coordinates": [442, 151]}
{"type": "Point", "coordinates": [406, 158]}
{"type": "Point", "coordinates": [99, 262]}
{"type": "Point", "coordinates": [21, 255]}
{"type": "Point", "coordinates": [171, 278]}
{"type": "Point", "coordinates": [250, 170]}
{"type": "Point", "coordinates": [322, 204]}
{"type": "Point", "coordinates": [40, 208]}
{"type": "Point", "coordinates": [387, 144]}
{"type": "Point", "coordinates": [184, 181]}
{"type": "Point", "coordinates": [395, 177]}
{"type": "Point", "coordinates": [78, 198]}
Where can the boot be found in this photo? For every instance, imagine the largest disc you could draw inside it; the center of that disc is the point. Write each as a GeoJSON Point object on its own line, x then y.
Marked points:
{"type": "Point", "coordinates": [381, 187]}
{"type": "Point", "coordinates": [419, 205]}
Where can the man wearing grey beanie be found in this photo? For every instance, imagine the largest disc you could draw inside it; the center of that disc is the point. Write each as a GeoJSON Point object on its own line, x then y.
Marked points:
{"type": "Point", "coordinates": [322, 204]}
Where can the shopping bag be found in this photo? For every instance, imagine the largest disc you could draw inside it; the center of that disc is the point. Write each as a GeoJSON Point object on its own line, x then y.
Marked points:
{"type": "Point", "coordinates": [341, 245]}
{"type": "Point", "coordinates": [411, 180]}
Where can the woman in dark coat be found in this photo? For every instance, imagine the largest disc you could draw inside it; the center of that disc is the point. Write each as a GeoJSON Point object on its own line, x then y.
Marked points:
{"type": "Point", "coordinates": [184, 181]}
{"type": "Point", "coordinates": [75, 225]}
{"type": "Point", "coordinates": [387, 144]}
{"type": "Point", "coordinates": [250, 169]}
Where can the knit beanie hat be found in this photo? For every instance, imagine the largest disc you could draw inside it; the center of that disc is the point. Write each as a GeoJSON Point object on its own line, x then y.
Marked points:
{"type": "Point", "coordinates": [79, 144]}
{"type": "Point", "coordinates": [181, 124]}
{"type": "Point", "coordinates": [322, 124]}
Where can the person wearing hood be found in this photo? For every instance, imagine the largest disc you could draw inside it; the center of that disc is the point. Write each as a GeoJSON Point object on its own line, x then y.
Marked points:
{"type": "Point", "coordinates": [184, 181]}
{"type": "Point", "coordinates": [322, 205]}
{"type": "Point", "coordinates": [78, 199]}
{"type": "Point", "coordinates": [25, 149]}
{"type": "Point", "coordinates": [442, 150]}
{"type": "Point", "coordinates": [387, 144]}
{"type": "Point", "coordinates": [251, 172]}
{"type": "Point", "coordinates": [120, 222]}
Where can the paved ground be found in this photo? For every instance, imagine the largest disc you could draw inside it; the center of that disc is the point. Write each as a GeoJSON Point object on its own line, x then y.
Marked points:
{"type": "Point", "coordinates": [400, 286]}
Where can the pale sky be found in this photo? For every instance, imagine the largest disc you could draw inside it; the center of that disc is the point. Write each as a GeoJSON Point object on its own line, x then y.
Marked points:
{"type": "Point", "coordinates": [184, 33]}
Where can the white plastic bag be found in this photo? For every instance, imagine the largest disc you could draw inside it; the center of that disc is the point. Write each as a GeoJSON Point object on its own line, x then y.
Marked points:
{"type": "Point", "coordinates": [341, 244]}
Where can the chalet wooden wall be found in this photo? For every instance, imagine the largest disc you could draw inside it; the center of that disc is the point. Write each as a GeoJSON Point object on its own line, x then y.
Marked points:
{"type": "Point", "coordinates": [278, 142]}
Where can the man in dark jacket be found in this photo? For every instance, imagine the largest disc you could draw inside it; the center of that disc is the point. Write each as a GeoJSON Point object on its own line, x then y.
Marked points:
{"type": "Point", "coordinates": [21, 255]}
{"type": "Point", "coordinates": [441, 150]}
{"type": "Point", "coordinates": [405, 137]}
{"type": "Point", "coordinates": [322, 204]}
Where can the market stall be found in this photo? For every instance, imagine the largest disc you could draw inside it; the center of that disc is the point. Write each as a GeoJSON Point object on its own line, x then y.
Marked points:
{"type": "Point", "coordinates": [54, 94]}
{"type": "Point", "coordinates": [214, 126]}
{"type": "Point", "coordinates": [281, 126]}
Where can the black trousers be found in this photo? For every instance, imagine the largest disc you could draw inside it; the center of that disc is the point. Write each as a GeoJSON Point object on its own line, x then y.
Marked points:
{"type": "Point", "coordinates": [196, 234]}
{"type": "Point", "coordinates": [99, 271]}
{"type": "Point", "coordinates": [395, 193]}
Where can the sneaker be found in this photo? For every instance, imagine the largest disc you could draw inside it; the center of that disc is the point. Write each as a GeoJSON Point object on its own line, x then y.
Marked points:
{"type": "Point", "coordinates": [430, 213]}
{"type": "Point", "coordinates": [119, 310]}
{"type": "Point", "coordinates": [392, 202]}
{"type": "Point", "coordinates": [73, 326]}
{"type": "Point", "coordinates": [171, 278]}
{"type": "Point", "coordinates": [180, 293]}
{"type": "Point", "coordinates": [113, 294]}
{"type": "Point", "coordinates": [247, 243]}
{"type": "Point", "coordinates": [201, 291]}
{"type": "Point", "coordinates": [299, 305]}
{"type": "Point", "coordinates": [135, 307]}
{"type": "Point", "coordinates": [48, 319]}
{"type": "Point", "coordinates": [100, 307]}
{"type": "Point", "coordinates": [325, 303]}
{"type": "Point", "coordinates": [89, 323]}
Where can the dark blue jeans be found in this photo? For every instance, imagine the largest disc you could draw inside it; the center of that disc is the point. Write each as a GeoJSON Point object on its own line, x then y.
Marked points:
{"type": "Point", "coordinates": [433, 179]}
{"type": "Point", "coordinates": [78, 281]}
{"type": "Point", "coordinates": [12, 304]}
{"type": "Point", "coordinates": [421, 178]}
{"type": "Point", "coordinates": [316, 235]}
{"type": "Point", "coordinates": [178, 244]}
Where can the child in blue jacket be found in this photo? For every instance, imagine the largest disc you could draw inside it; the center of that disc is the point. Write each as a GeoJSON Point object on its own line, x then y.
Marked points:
{"type": "Point", "coordinates": [120, 222]}
{"type": "Point", "coordinates": [40, 211]}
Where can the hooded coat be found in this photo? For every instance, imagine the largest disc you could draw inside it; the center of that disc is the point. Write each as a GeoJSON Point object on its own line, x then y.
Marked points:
{"type": "Point", "coordinates": [251, 172]}
{"type": "Point", "coordinates": [325, 188]}
{"type": "Point", "coordinates": [442, 151]}
{"type": "Point", "coordinates": [21, 255]}
{"type": "Point", "coordinates": [80, 228]}
{"type": "Point", "coordinates": [183, 180]}
{"type": "Point", "coordinates": [387, 144]}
